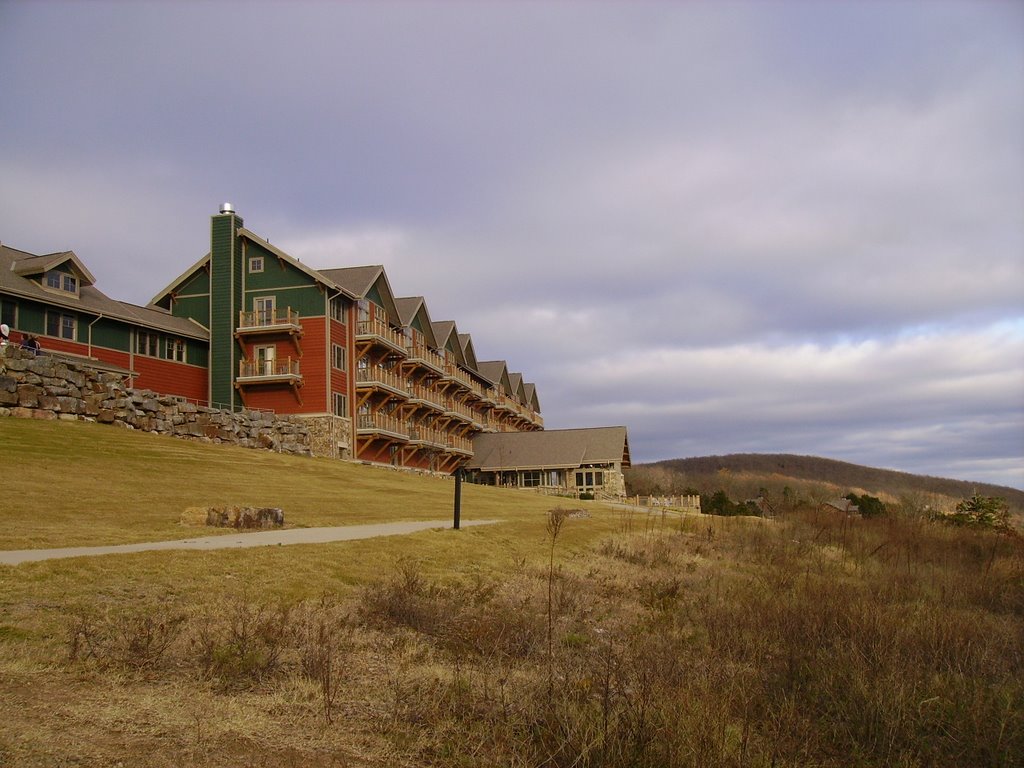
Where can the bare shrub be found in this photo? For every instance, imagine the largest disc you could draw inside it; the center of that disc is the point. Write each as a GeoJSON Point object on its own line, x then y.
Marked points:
{"type": "Point", "coordinates": [323, 633]}
{"type": "Point", "coordinates": [241, 643]}
{"type": "Point", "coordinates": [137, 639]}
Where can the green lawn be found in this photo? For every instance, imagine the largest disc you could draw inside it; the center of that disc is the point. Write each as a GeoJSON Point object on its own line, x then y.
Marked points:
{"type": "Point", "coordinates": [76, 484]}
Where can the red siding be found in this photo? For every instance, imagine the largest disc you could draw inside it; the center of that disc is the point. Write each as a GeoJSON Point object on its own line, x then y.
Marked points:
{"type": "Point", "coordinates": [170, 378]}
{"type": "Point", "coordinates": [339, 379]}
{"type": "Point", "coordinates": [312, 365]}
{"type": "Point", "coordinates": [164, 376]}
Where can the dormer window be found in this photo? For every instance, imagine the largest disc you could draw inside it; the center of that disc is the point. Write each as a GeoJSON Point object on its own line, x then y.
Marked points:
{"type": "Point", "coordinates": [61, 281]}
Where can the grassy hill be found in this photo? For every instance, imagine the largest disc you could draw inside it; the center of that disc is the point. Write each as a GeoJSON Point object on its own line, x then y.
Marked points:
{"type": "Point", "coordinates": [600, 636]}
{"type": "Point", "coordinates": [746, 472]}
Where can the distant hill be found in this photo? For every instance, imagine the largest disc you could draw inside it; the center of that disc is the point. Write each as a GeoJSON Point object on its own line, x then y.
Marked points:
{"type": "Point", "coordinates": [746, 469]}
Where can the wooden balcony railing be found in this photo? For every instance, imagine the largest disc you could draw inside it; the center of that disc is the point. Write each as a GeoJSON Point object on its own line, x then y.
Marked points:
{"type": "Point", "coordinates": [419, 433]}
{"type": "Point", "coordinates": [269, 369]}
{"type": "Point", "coordinates": [378, 331]}
{"type": "Point", "coordinates": [425, 354]}
{"type": "Point", "coordinates": [459, 445]}
{"type": "Point", "coordinates": [268, 318]}
{"type": "Point", "coordinates": [452, 371]}
{"type": "Point", "coordinates": [381, 422]}
{"type": "Point", "coordinates": [450, 406]}
{"type": "Point", "coordinates": [374, 375]}
{"type": "Point", "coordinates": [419, 392]}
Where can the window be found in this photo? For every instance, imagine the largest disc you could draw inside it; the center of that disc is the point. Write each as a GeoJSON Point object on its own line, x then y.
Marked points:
{"type": "Point", "coordinates": [9, 312]}
{"type": "Point", "coordinates": [255, 263]}
{"type": "Point", "coordinates": [61, 281]}
{"type": "Point", "coordinates": [61, 325]}
{"type": "Point", "coordinates": [338, 310]}
{"type": "Point", "coordinates": [266, 358]}
{"type": "Point", "coordinates": [175, 350]}
{"type": "Point", "coordinates": [531, 479]}
{"type": "Point", "coordinates": [589, 479]}
{"type": "Point", "coordinates": [264, 306]}
{"type": "Point", "coordinates": [147, 343]}
{"type": "Point", "coordinates": [339, 357]}
{"type": "Point", "coordinates": [340, 404]}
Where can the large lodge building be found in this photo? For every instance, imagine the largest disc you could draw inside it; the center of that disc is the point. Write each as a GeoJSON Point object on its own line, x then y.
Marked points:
{"type": "Point", "coordinates": [248, 326]}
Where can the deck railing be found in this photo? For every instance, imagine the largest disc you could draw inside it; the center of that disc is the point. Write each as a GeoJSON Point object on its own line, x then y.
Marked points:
{"type": "Point", "coordinates": [426, 354]}
{"type": "Point", "coordinates": [377, 375]}
{"type": "Point", "coordinates": [251, 369]}
{"type": "Point", "coordinates": [460, 408]}
{"type": "Point", "coordinates": [420, 392]}
{"type": "Point", "coordinates": [265, 318]}
{"type": "Point", "coordinates": [381, 330]}
{"type": "Point", "coordinates": [381, 422]}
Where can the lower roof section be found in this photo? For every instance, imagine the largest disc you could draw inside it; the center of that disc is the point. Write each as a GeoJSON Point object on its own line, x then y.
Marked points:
{"type": "Point", "coordinates": [549, 449]}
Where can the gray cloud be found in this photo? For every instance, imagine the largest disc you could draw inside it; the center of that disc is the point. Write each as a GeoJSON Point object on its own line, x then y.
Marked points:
{"type": "Point", "coordinates": [732, 227]}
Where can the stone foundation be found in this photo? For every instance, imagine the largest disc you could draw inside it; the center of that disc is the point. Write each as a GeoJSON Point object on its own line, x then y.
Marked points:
{"type": "Point", "coordinates": [330, 436]}
{"type": "Point", "coordinates": [52, 387]}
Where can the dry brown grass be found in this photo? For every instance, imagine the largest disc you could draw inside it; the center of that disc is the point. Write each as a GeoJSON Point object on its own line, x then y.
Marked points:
{"type": "Point", "coordinates": [806, 641]}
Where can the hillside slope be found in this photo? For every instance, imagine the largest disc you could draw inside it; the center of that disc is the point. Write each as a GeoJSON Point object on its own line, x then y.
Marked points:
{"type": "Point", "coordinates": [842, 474]}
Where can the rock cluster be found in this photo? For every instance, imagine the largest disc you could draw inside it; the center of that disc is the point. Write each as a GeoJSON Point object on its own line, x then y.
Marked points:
{"type": "Point", "coordinates": [245, 517]}
{"type": "Point", "coordinates": [52, 387]}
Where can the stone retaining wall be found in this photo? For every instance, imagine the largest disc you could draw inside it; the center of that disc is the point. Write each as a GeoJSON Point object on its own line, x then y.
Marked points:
{"type": "Point", "coordinates": [53, 387]}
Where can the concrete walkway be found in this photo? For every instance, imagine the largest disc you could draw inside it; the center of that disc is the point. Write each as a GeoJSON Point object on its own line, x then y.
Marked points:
{"type": "Point", "coordinates": [253, 539]}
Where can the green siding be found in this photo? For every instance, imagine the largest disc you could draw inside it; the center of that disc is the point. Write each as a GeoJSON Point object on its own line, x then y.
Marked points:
{"type": "Point", "coordinates": [111, 334]}
{"type": "Point", "coordinates": [225, 301]}
{"type": "Point", "coordinates": [195, 307]}
{"type": "Point", "coordinates": [31, 317]}
{"type": "Point", "coordinates": [374, 295]}
{"type": "Point", "coordinates": [198, 282]}
{"type": "Point", "coordinates": [196, 352]}
{"type": "Point", "coordinates": [306, 301]}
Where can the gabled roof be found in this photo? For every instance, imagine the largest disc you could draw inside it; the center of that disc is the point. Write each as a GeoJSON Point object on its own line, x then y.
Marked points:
{"type": "Point", "coordinates": [468, 353]}
{"type": "Point", "coordinates": [515, 381]}
{"type": "Point", "coordinates": [445, 332]}
{"type": "Point", "coordinates": [317, 275]}
{"type": "Point", "coordinates": [359, 281]}
{"type": "Point", "coordinates": [496, 371]}
{"type": "Point", "coordinates": [90, 299]}
{"type": "Point", "coordinates": [531, 396]}
{"type": "Point", "coordinates": [410, 306]}
{"type": "Point", "coordinates": [37, 265]}
{"type": "Point", "coordinates": [170, 288]}
{"type": "Point", "coordinates": [549, 449]}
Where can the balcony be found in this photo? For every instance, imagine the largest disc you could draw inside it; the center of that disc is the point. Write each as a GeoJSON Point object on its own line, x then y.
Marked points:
{"type": "Point", "coordinates": [434, 438]}
{"type": "Point", "coordinates": [423, 355]}
{"type": "Point", "coordinates": [268, 372]}
{"type": "Point", "coordinates": [503, 403]}
{"type": "Point", "coordinates": [381, 425]}
{"type": "Point", "coordinates": [269, 321]}
{"type": "Point", "coordinates": [379, 378]}
{"type": "Point", "coordinates": [459, 410]}
{"type": "Point", "coordinates": [376, 332]}
{"type": "Point", "coordinates": [455, 373]}
{"type": "Point", "coordinates": [420, 395]}
{"type": "Point", "coordinates": [460, 445]}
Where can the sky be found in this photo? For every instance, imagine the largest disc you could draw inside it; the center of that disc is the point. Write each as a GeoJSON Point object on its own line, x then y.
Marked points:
{"type": "Point", "coordinates": [770, 226]}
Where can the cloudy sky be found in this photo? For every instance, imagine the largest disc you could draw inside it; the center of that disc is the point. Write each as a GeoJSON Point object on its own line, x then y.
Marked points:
{"type": "Point", "coordinates": [731, 226]}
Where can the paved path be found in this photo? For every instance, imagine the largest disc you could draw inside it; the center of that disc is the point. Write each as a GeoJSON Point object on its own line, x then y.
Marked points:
{"type": "Point", "coordinates": [253, 539]}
